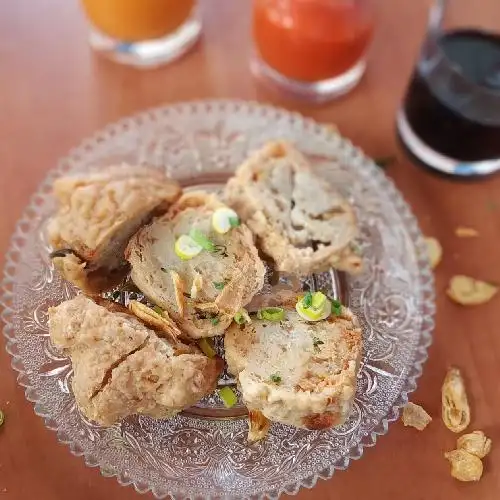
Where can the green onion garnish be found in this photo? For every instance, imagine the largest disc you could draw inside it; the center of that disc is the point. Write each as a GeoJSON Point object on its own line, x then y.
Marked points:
{"type": "Point", "coordinates": [228, 396]}
{"type": "Point", "coordinates": [200, 239]}
{"type": "Point", "coordinates": [307, 300]}
{"type": "Point", "coordinates": [234, 221]}
{"type": "Point", "coordinates": [219, 285]}
{"type": "Point", "coordinates": [215, 320]}
{"type": "Point", "coordinates": [242, 317]}
{"type": "Point", "coordinates": [207, 348]}
{"type": "Point", "coordinates": [337, 307]}
{"type": "Point", "coordinates": [276, 378]}
{"type": "Point", "coordinates": [271, 313]}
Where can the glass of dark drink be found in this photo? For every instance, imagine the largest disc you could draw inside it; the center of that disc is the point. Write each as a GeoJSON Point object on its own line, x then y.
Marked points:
{"type": "Point", "coordinates": [450, 117]}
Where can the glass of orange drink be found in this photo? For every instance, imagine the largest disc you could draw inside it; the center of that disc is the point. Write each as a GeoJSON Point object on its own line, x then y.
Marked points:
{"type": "Point", "coordinates": [142, 33]}
{"type": "Point", "coordinates": [313, 49]}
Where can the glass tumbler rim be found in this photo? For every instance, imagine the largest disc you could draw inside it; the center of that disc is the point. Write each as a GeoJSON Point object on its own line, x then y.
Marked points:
{"type": "Point", "coordinates": [435, 30]}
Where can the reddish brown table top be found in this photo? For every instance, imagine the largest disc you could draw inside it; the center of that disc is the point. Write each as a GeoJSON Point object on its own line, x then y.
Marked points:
{"type": "Point", "coordinates": [54, 92]}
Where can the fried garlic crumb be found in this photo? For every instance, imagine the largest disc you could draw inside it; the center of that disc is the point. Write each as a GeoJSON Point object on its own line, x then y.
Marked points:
{"type": "Point", "coordinates": [455, 406]}
{"type": "Point", "coordinates": [415, 416]}
{"type": "Point", "coordinates": [466, 232]}
{"type": "Point", "coordinates": [464, 465]}
{"type": "Point", "coordinates": [469, 291]}
{"type": "Point", "coordinates": [475, 443]}
{"type": "Point", "coordinates": [434, 251]}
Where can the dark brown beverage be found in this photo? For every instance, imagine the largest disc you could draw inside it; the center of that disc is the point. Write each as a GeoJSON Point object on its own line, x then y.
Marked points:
{"type": "Point", "coordinates": [457, 112]}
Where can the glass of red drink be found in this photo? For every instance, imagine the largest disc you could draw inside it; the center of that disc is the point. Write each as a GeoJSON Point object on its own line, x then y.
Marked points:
{"type": "Point", "coordinates": [450, 117]}
{"type": "Point", "coordinates": [313, 48]}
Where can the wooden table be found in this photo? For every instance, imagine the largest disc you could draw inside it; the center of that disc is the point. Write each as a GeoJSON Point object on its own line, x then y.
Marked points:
{"type": "Point", "coordinates": [54, 92]}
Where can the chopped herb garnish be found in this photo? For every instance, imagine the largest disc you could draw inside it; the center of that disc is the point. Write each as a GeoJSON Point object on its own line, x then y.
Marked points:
{"type": "Point", "coordinates": [242, 317]}
{"type": "Point", "coordinates": [307, 300]}
{"type": "Point", "coordinates": [317, 343]}
{"type": "Point", "coordinates": [219, 285]}
{"type": "Point", "coordinates": [215, 320]}
{"type": "Point", "coordinates": [276, 378]}
{"type": "Point", "coordinates": [200, 239]}
{"type": "Point", "coordinates": [207, 347]}
{"type": "Point", "coordinates": [385, 161]}
{"type": "Point", "coordinates": [228, 396]}
{"type": "Point", "coordinates": [158, 310]}
{"type": "Point", "coordinates": [234, 221]}
{"type": "Point", "coordinates": [337, 307]}
{"type": "Point", "coordinates": [271, 313]}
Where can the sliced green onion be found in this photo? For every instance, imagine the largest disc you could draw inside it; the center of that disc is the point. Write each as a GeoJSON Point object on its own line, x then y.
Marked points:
{"type": "Point", "coordinates": [271, 313]}
{"type": "Point", "coordinates": [207, 348]}
{"type": "Point", "coordinates": [318, 300]}
{"type": "Point", "coordinates": [199, 238]}
{"type": "Point", "coordinates": [242, 317]}
{"type": "Point", "coordinates": [215, 320]}
{"type": "Point", "coordinates": [219, 285]}
{"type": "Point", "coordinates": [276, 378]}
{"type": "Point", "coordinates": [337, 307]}
{"type": "Point", "coordinates": [158, 310]}
{"type": "Point", "coordinates": [234, 221]}
{"type": "Point", "coordinates": [307, 300]}
{"type": "Point", "coordinates": [228, 396]}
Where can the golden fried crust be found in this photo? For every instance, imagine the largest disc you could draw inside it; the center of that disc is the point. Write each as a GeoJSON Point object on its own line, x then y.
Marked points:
{"type": "Point", "coordinates": [121, 367]}
{"type": "Point", "coordinates": [97, 215]}
{"type": "Point", "coordinates": [299, 220]}
{"type": "Point", "coordinates": [321, 421]}
{"type": "Point", "coordinates": [201, 294]}
{"type": "Point", "coordinates": [296, 372]}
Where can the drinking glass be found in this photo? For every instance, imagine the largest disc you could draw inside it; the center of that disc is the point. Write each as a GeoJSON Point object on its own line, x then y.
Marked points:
{"type": "Point", "coordinates": [450, 117]}
{"type": "Point", "coordinates": [313, 49]}
{"type": "Point", "coordinates": [142, 33]}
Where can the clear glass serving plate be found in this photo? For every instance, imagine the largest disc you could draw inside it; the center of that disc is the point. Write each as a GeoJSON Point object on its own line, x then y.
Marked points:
{"type": "Point", "coordinates": [203, 453]}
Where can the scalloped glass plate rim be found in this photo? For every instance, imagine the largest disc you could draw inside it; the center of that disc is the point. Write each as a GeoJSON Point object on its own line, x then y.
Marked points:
{"type": "Point", "coordinates": [19, 237]}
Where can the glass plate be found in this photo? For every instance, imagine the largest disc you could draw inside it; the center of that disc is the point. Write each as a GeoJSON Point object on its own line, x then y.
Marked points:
{"type": "Point", "coordinates": [199, 454]}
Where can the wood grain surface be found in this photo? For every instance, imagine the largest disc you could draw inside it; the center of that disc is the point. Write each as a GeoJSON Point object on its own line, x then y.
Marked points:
{"type": "Point", "coordinates": [54, 92]}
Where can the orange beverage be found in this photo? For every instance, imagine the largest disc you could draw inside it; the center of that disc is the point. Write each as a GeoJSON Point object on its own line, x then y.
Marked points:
{"type": "Point", "coordinates": [311, 40]}
{"type": "Point", "coordinates": [137, 20]}
{"type": "Point", "coordinates": [142, 30]}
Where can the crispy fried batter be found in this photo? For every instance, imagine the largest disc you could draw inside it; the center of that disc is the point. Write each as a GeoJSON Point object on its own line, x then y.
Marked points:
{"type": "Point", "coordinates": [235, 262]}
{"type": "Point", "coordinates": [121, 367]}
{"type": "Point", "coordinates": [415, 416]}
{"type": "Point", "coordinates": [455, 406]}
{"type": "Point", "coordinates": [475, 443]}
{"type": "Point", "coordinates": [178, 291]}
{"type": "Point", "coordinates": [464, 465]}
{"type": "Point", "coordinates": [258, 426]}
{"type": "Point", "coordinates": [295, 372]}
{"type": "Point", "coordinates": [469, 291]}
{"type": "Point", "coordinates": [300, 220]}
{"type": "Point", "coordinates": [98, 213]}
